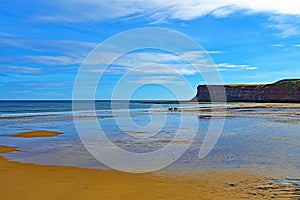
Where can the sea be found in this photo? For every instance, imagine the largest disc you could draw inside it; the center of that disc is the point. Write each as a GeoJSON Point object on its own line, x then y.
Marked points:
{"type": "Point", "coordinates": [256, 139]}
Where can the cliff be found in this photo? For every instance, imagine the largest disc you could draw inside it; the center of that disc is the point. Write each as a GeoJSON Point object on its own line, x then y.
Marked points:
{"type": "Point", "coordinates": [282, 91]}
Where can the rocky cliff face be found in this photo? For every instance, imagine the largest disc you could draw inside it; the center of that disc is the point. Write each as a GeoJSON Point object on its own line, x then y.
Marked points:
{"type": "Point", "coordinates": [281, 91]}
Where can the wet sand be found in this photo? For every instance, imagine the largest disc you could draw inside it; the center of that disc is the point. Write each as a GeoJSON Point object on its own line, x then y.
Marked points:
{"type": "Point", "coordinates": [6, 149]}
{"type": "Point", "coordinates": [38, 133]}
{"type": "Point", "coordinates": [31, 181]}
{"type": "Point", "coordinates": [245, 109]}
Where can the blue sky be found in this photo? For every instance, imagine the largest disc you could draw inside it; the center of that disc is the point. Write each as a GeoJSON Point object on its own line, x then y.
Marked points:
{"type": "Point", "coordinates": [43, 43]}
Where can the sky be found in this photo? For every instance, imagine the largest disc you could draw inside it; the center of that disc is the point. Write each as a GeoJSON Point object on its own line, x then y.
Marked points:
{"type": "Point", "coordinates": [44, 43]}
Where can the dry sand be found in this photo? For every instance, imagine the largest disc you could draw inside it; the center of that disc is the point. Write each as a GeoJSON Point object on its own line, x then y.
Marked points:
{"type": "Point", "coordinates": [38, 133]}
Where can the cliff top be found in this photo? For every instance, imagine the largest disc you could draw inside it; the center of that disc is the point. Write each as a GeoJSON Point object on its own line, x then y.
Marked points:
{"type": "Point", "coordinates": [284, 81]}
{"type": "Point", "coordinates": [295, 81]}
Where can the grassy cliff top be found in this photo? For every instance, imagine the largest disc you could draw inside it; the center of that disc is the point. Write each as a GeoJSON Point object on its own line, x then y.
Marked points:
{"type": "Point", "coordinates": [292, 82]}
{"type": "Point", "coordinates": [288, 81]}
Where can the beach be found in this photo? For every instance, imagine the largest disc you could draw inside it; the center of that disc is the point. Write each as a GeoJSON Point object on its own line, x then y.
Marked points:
{"type": "Point", "coordinates": [150, 100]}
{"type": "Point", "coordinates": [256, 156]}
{"type": "Point", "coordinates": [31, 181]}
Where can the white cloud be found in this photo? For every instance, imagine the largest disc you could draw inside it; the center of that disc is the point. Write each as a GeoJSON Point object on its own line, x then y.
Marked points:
{"type": "Point", "coordinates": [74, 52]}
{"type": "Point", "coordinates": [154, 63]}
{"type": "Point", "coordinates": [54, 60]}
{"type": "Point", "coordinates": [22, 70]}
{"type": "Point", "coordinates": [227, 66]}
{"type": "Point", "coordinates": [161, 10]}
{"type": "Point", "coordinates": [286, 30]}
{"type": "Point", "coordinates": [167, 68]}
{"type": "Point", "coordinates": [65, 47]}
{"type": "Point", "coordinates": [214, 52]}
{"type": "Point", "coordinates": [47, 53]}
{"type": "Point", "coordinates": [289, 47]}
{"type": "Point", "coordinates": [287, 25]}
{"type": "Point", "coordinates": [278, 45]}
{"type": "Point", "coordinates": [149, 63]}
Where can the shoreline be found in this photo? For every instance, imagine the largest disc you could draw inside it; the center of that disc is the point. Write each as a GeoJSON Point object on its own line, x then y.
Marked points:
{"type": "Point", "coordinates": [33, 181]}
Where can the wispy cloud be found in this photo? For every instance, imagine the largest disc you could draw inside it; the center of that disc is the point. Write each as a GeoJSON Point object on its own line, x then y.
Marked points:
{"type": "Point", "coordinates": [215, 52]}
{"type": "Point", "coordinates": [22, 70]}
{"type": "Point", "coordinates": [227, 66]}
{"type": "Point", "coordinates": [287, 25]}
{"type": "Point", "coordinates": [40, 84]}
{"type": "Point", "coordinates": [44, 52]}
{"type": "Point", "coordinates": [19, 92]}
{"type": "Point", "coordinates": [72, 53]}
{"type": "Point", "coordinates": [2, 34]}
{"type": "Point", "coordinates": [278, 45]}
{"type": "Point", "coordinates": [65, 47]}
{"type": "Point", "coordinates": [42, 60]}
{"type": "Point", "coordinates": [292, 48]}
{"type": "Point", "coordinates": [284, 14]}
{"type": "Point", "coordinates": [154, 63]}
{"type": "Point", "coordinates": [160, 11]}
{"type": "Point", "coordinates": [54, 60]}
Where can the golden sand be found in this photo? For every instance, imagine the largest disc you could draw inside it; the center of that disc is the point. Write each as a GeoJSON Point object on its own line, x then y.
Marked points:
{"type": "Point", "coordinates": [6, 149]}
{"type": "Point", "coordinates": [31, 181]}
{"type": "Point", "coordinates": [39, 133]}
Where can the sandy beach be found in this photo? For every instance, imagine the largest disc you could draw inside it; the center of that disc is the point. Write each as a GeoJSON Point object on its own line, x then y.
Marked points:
{"type": "Point", "coordinates": [30, 181]}
{"type": "Point", "coordinates": [150, 100]}
{"type": "Point", "coordinates": [33, 181]}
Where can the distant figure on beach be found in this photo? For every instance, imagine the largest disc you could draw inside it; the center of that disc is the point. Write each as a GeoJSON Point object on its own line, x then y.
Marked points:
{"type": "Point", "coordinates": [173, 109]}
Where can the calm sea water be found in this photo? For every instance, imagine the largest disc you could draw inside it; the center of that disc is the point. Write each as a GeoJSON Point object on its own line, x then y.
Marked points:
{"type": "Point", "coordinates": [262, 140]}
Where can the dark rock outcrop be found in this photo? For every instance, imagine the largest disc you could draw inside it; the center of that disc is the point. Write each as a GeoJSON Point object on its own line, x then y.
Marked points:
{"type": "Point", "coordinates": [282, 91]}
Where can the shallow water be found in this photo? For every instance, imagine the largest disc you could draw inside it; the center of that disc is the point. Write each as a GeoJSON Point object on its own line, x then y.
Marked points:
{"type": "Point", "coordinates": [260, 140]}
